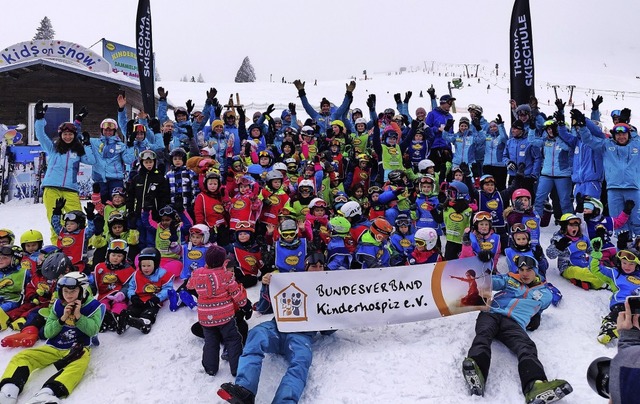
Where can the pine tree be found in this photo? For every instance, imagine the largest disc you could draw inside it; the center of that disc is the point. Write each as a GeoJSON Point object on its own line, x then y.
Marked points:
{"type": "Point", "coordinates": [246, 74]}
{"type": "Point", "coordinates": [45, 30]}
{"type": "Point", "coordinates": [200, 78]}
{"type": "Point", "coordinates": [184, 78]}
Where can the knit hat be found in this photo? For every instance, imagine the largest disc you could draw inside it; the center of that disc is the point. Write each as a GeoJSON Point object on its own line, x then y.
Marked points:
{"type": "Point", "coordinates": [216, 123]}
{"type": "Point", "coordinates": [518, 124]}
{"type": "Point", "coordinates": [215, 256]}
{"type": "Point", "coordinates": [464, 119]}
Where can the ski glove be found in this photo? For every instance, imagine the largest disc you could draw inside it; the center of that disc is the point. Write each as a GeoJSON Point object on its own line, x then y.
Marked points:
{"type": "Point", "coordinates": [511, 166]}
{"type": "Point", "coordinates": [577, 118]}
{"type": "Point", "coordinates": [190, 106]}
{"type": "Point", "coordinates": [86, 138]}
{"type": "Point", "coordinates": [625, 115]}
{"type": "Point", "coordinates": [98, 224]}
{"type": "Point", "coordinates": [407, 96]}
{"type": "Point", "coordinates": [117, 297]}
{"type": "Point", "coordinates": [397, 98]}
{"type": "Point", "coordinates": [432, 93]}
{"type": "Point", "coordinates": [449, 125]}
{"type": "Point", "coordinates": [499, 120]}
{"type": "Point", "coordinates": [90, 211]}
{"type": "Point", "coordinates": [559, 104]}
{"type": "Point", "coordinates": [292, 108]}
{"type": "Point", "coordinates": [154, 124]}
{"type": "Point", "coordinates": [623, 240]}
{"type": "Point", "coordinates": [40, 109]}
{"type": "Point", "coordinates": [484, 255]}
{"type": "Point", "coordinates": [628, 206]}
{"type": "Point", "coordinates": [57, 209]}
{"type": "Point", "coordinates": [563, 243]}
{"type": "Point", "coordinates": [579, 203]}
{"type": "Point", "coordinates": [211, 95]}
{"type": "Point", "coordinates": [247, 311]}
{"type": "Point", "coordinates": [595, 104]}
{"type": "Point", "coordinates": [82, 114]}
{"type": "Point", "coordinates": [154, 301]}
{"type": "Point", "coordinates": [596, 244]}
{"type": "Point", "coordinates": [163, 94]}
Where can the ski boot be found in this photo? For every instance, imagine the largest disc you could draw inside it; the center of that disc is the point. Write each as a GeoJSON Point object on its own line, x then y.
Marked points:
{"type": "Point", "coordinates": [141, 323]}
{"type": "Point", "coordinates": [608, 331]}
{"type": "Point", "coordinates": [196, 329]}
{"type": "Point", "coordinates": [18, 323]}
{"type": "Point", "coordinates": [473, 376]}
{"type": "Point", "coordinates": [187, 299]}
{"type": "Point", "coordinates": [174, 300]}
{"type": "Point", "coordinates": [122, 322]}
{"type": "Point", "coordinates": [544, 392]}
{"type": "Point", "coordinates": [25, 338]}
{"type": "Point", "coordinates": [108, 322]}
{"type": "Point", "coordinates": [225, 354]}
{"type": "Point", "coordinates": [44, 396]}
{"type": "Point", "coordinates": [236, 394]}
{"type": "Point", "coordinates": [581, 284]}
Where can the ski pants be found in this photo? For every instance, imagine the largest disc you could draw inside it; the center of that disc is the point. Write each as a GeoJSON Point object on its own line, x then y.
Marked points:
{"type": "Point", "coordinates": [591, 188]}
{"type": "Point", "coordinates": [563, 186]}
{"type": "Point", "coordinates": [62, 383]}
{"type": "Point", "coordinates": [230, 336]}
{"type": "Point", "coordinates": [295, 347]}
{"type": "Point", "coordinates": [490, 326]}
{"type": "Point", "coordinates": [584, 275]}
{"type": "Point", "coordinates": [49, 197]}
{"type": "Point", "coordinates": [616, 199]}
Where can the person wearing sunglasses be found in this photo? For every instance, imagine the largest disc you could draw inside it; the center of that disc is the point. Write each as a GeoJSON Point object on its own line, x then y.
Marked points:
{"type": "Point", "coordinates": [621, 162]}
{"type": "Point", "coordinates": [520, 296]}
{"type": "Point", "coordinates": [622, 279]}
{"type": "Point", "coordinates": [74, 320]}
{"type": "Point", "coordinates": [63, 158]}
{"type": "Point", "coordinates": [426, 249]}
{"type": "Point", "coordinates": [572, 249]}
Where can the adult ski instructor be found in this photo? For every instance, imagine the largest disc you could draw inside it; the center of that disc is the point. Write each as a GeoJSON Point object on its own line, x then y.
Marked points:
{"type": "Point", "coordinates": [64, 156]}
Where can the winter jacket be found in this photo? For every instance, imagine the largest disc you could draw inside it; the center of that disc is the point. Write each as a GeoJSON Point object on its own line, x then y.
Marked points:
{"type": "Point", "coordinates": [518, 301]}
{"type": "Point", "coordinates": [142, 285]}
{"type": "Point", "coordinates": [183, 183]}
{"type": "Point", "coordinates": [147, 188]}
{"type": "Point", "coordinates": [495, 143]}
{"type": "Point", "coordinates": [324, 121]}
{"type": "Point", "coordinates": [435, 119]}
{"type": "Point", "coordinates": [519, 150]}
{"type": "Point", "coordinates": [111, 156]}
{"type": "Point", "coordinates": [218, 295]}
{"type": "Point", "coordinates": [621, 163]}
{"type": "Point", "coordinates": [557, 154]}
{"type": "Point", "coordinates": [465, 144]}
{"type": "Point", "coordinates": [64, 336]}
{"type": "Point", "coordinates": [587, 163]}
{"type": "Point", "coordinates": [624, 370]}
{"type": "Point", "coordinates": [62, 169]}
{"type": "Point", "coordinates": [622, 285]}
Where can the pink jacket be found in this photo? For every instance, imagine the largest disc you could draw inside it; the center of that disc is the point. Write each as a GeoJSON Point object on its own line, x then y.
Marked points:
{"type": "Point", "coordinates": [217, 292]}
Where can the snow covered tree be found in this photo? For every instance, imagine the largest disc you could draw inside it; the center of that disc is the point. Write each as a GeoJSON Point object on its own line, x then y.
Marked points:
{"type": "Point", "coordinates": [246, 74]}
{"type": "Point", "coordinates": [184, 78]}
{"type": "Point", "coordinates": [45, 30]}
{"type": "Point", "coordinates": [200, 78]}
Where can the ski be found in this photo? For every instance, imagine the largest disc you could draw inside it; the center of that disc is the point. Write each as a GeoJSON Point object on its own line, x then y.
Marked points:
{"type": "Point", "coordinates": [42, 166]}
{"type": "Point", "coordinates": [5, 171]}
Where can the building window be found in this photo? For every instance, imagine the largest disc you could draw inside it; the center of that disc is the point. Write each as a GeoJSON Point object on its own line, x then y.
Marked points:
{"type": "Point", "coordinates": [57, 113]}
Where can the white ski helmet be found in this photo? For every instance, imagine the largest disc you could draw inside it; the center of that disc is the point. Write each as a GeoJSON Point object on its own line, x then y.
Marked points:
{"type": "Point", "coordinates": [307, 183]}
{"type": "Point", "coordinates": [279, 166]}
{"type": "Point", "coordinates": [424, 164]}
{"type": "Point", "coordinates": [274, 175]}
{"type": "Point", "coordinates": [317, 203]}
{"type": "Point", "coordinates": [361, 120]}
{"type": "Point", "coordinates": [428, 235]}
{"type": "Point", "coordinates": [201, 229]}
{"type": "Point", "coordinates": [74, 280]}
{"type": "Point", "coordinates": [351, 209]}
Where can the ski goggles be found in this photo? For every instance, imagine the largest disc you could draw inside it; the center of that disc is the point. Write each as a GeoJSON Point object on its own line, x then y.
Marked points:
{"type": "Point", "coordinates": [615, 112]}
{"type": "Point", "coordinates": [264, 154]}
{"type": "Point", "coordinates": [195, 230]}
{"type": "Point", "coordinates": [139, 128]}
{"type": "Point", "coordinates": [340, 199]}
{"type": "Point", "coordinates": [118, 245]}
{"type": "Point", "coordinates": [474, 107]}
{"type": "Point", "coordinates": [289, 234]}
{"type": "Point", "coordinates": [116, 216]}
{"type": "Point", "coordinates": [574, 224]}
{"type": "Point", "coordinates": [518, 228]}
{"type": "Point", "coordinates": [167, 211]}
{"type": "Point", "coordinates": [620, 129]}
{"type": "Point", "coordinates": [320, 204]}
{"type": "Point", "coordinates": [375, 190]}
{"type": "Point", "coordinates": [68, 282]}
{"type": "Point", "coordinates": [403, 222]}
{"type": "Point", "coordinates": [118, 191]}
{"type": "Point", "coordinates": [70, 217]}
{"type": "Point", "coordinates": [525, 261]}
{"type": "Point", "coordinates": [305, 190]}
{"type": "Point", "coordinates": [148, 155]}
{"type": "Point", "coordinates": [109, 125]}
{"type": "Point", "coordinates": [244, 226]}
{"type": "Point", "coordinates": [482, 216]}
{"type": "Point", "coordinates": [625, 255]}
{"type": "Point", "coordinates": [6, 250]}
{"type": "Point", "coordinates": [4, 233]}
{"type": "Point", "coordinates": [420, 243]}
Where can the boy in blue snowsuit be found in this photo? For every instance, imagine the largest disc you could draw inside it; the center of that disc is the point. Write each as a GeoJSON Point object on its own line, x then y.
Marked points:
{"type": "Point", "coordinates": [520, 296]}
{"type": "Point", "coordinates": [266, 338]}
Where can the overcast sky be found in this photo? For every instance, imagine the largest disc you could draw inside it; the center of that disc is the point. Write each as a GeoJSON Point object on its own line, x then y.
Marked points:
{"type": "Point", "coordinates": [336, 39]}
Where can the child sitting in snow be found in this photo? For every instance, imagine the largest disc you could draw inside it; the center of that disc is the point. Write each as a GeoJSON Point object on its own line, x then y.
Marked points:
{"type": "Point", "coordinates": [78, 228]}
{"type": "Point", "coordinates": [426, 250]}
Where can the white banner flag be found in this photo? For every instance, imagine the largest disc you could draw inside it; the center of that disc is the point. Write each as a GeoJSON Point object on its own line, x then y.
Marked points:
{"type": "Point", "coordinates": [330, 300]}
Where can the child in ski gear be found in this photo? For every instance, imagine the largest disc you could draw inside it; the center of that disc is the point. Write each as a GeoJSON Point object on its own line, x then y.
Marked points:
{"type": "Point", "coordinates": [376, 209]}
{"type": "Point", "coordinates": [520, 244]}
{"type": "Point", "coordinates": [317, 224]}
{"type": "Point", "coordinates": [273, 199]}
{"type": "Point", "coordinates": [183, 182]}
{"type": "Point", "coordinates": [401, 241]}
{"type": "Point", "coordinates": [168, 235]}
{"type": "Point", "coordinates": [472, 297]}
{"type": "Point", "coordinates": [266, 338]}
{"type": "Point", "coordinates": [491, 200]}
{"type": "Point", "coordinates": [218, 294]}
{"type": "Point", "coordinates": [117, 204]}
{"type": "Point", "coordinates": [495, 142]}
{"type": "Point", "coordinates": [338, 256]}
{"type": "Point", "coordinates": [456, 216]}
{"type": "Point", "coordinates": [521, 211]}
{"type": "Point", "coordinates": [572, 249]}
{"type": "Point", "coordinates": [482, 241]}
{"type": "Point", "coordinates": [55, 265]}
{"type": "Point", "coordinates": [520, 296]}
{"type": "Point", "coordinates": [373, 247]}
{"type": "Point", "coordinates": [31, 242]}
{"type": "Point", "coordinates": [13, 279]}
{"type": "Point", "coordinates": [426, 250]}
{"type": "Point", "coordinates": [148, 288]}
{"type": "Point", "coordinates": [117, 228]}
{"type": "Point", "coordinates": [73, 320]}
{"type": "Point", "coordinates": [245, 205]}
{"type": "Point", "coordinates": [621, 278]}
{"type": "Point", "coordinates": [209, 208]}
{"type": "Point", "coordinates": [112, 281]}
{"type": "Point", "coordinates": [248, 254]}
{"type": "Point", "coordinates": [76, 232]}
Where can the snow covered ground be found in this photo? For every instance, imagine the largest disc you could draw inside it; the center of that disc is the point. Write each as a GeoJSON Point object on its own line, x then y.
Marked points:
{"type": "Point", "coordinates": [408, 363]}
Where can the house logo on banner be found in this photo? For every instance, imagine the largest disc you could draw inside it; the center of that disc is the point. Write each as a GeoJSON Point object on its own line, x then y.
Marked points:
{"type": "Point", "coordinates": [291, 304]}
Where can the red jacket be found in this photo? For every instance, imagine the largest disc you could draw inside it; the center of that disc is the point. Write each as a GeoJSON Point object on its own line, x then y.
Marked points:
{"type": "Point", "coordinates": [217, 292]}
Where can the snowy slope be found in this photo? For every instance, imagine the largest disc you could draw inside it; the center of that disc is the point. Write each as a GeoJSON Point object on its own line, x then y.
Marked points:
{"type": "Point", "coordinates": [408, 363]}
